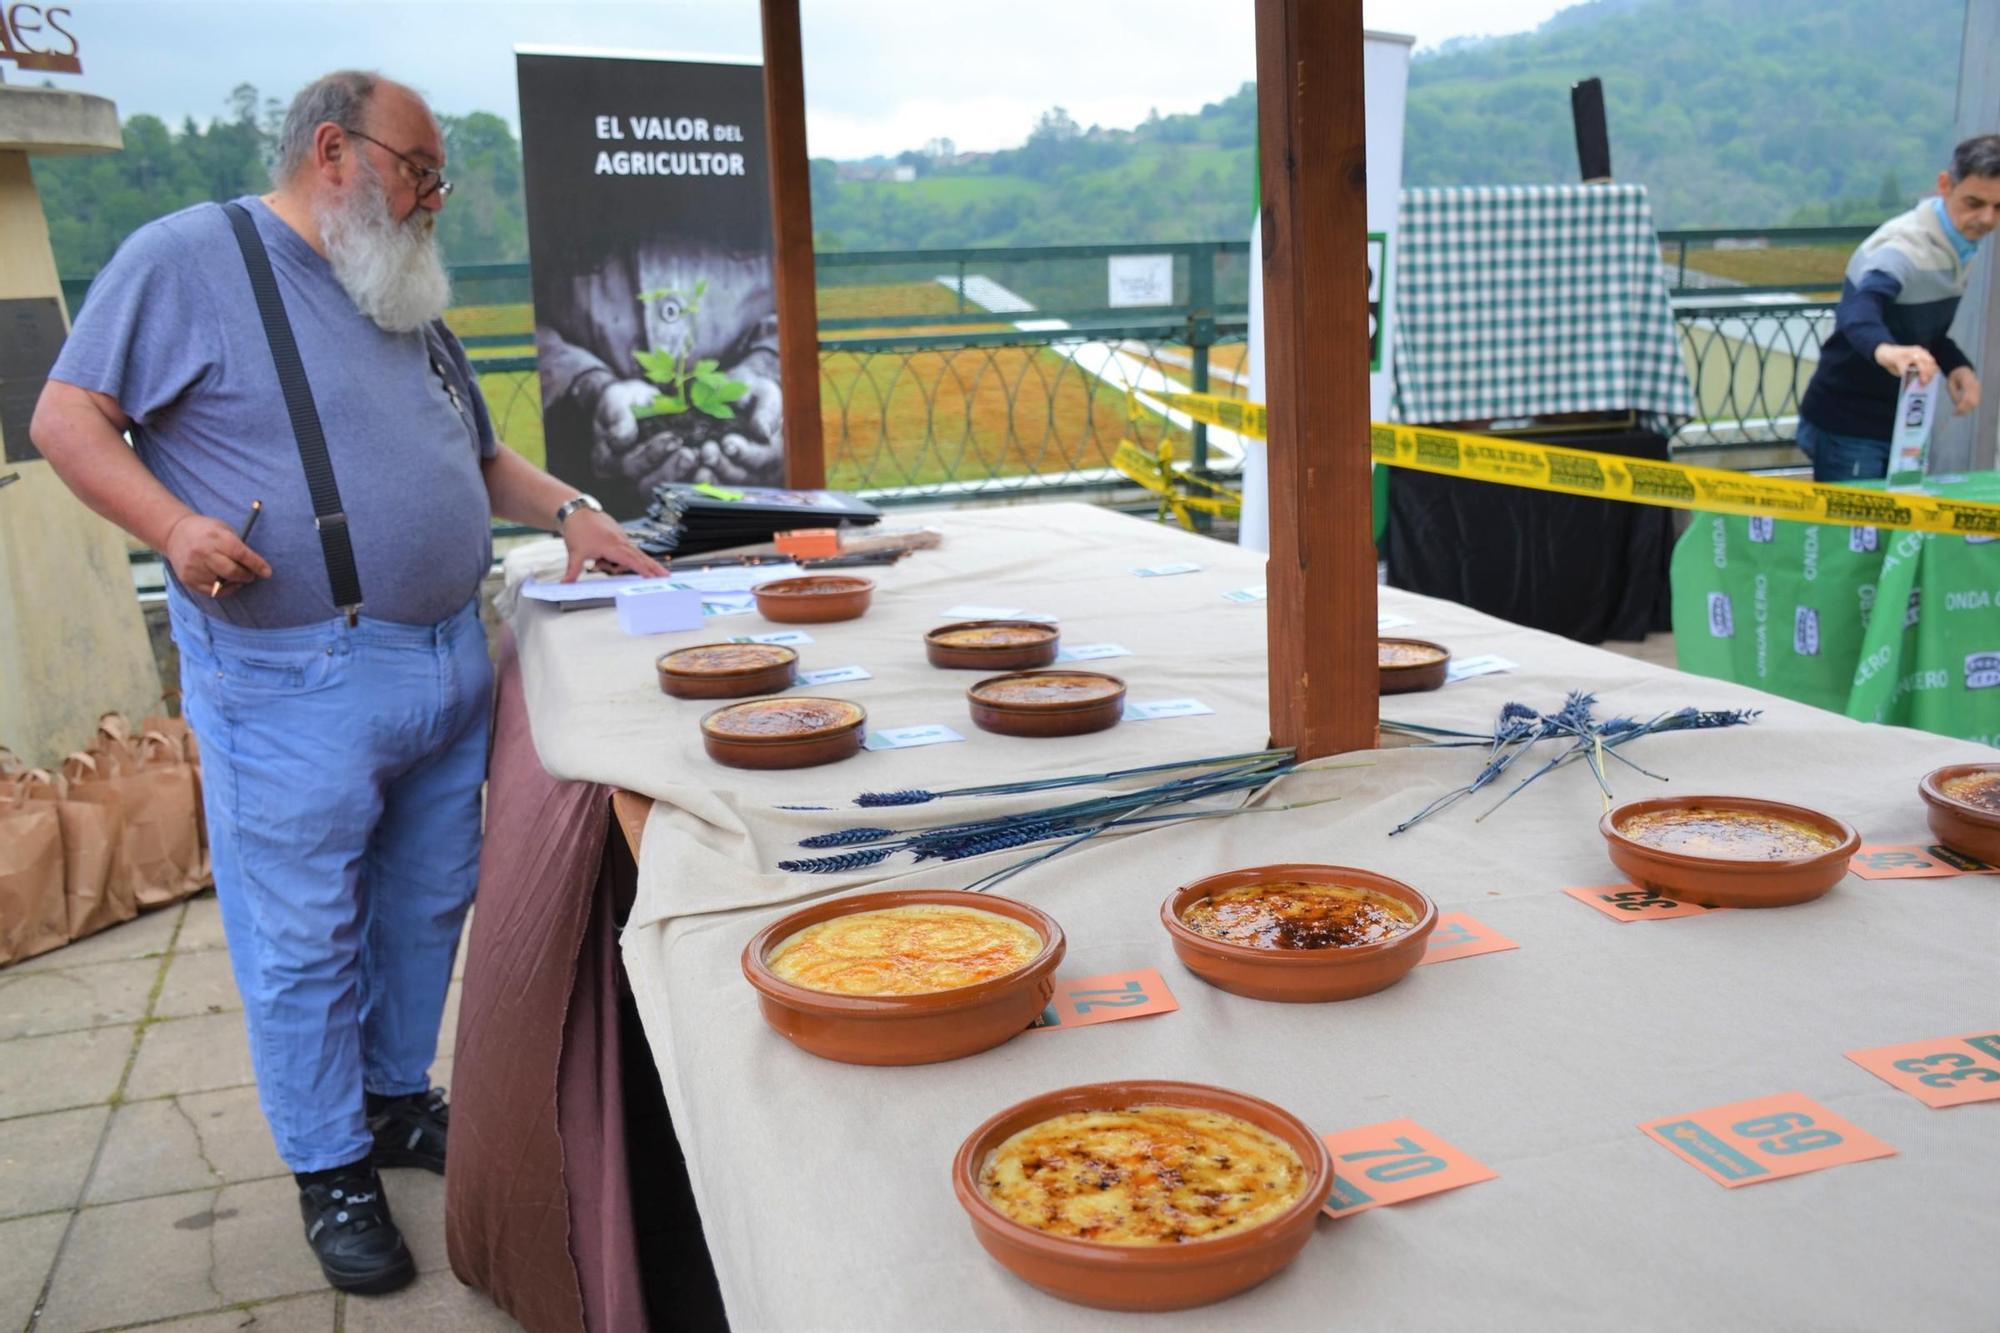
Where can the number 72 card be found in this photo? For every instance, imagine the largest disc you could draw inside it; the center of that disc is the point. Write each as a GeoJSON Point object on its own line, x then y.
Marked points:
{"type": "Point", "coordinates": [1081, 1001]}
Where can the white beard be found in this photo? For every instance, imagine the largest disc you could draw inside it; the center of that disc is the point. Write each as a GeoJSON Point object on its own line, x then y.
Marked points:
{"type": "Point", "coordinates": [391, 270]}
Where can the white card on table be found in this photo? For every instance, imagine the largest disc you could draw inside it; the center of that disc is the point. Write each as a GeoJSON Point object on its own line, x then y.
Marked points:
{"type": "Point", "coordinates": [903, 738]}
{"type": "Point", "coordinates": [832, 675]}
{"type": "Point", "coordinates": [1091, 652]}
{"type": "Point", "coordinates": [657, 607]}
{"type": "Point", "coordinates": [1244, 595]}
{"type": "Point", "coordinates": [732, 578]}
{"type": "Point", "coordinates": [789, 638]}
{"type": "Point", "coordinates": [1158, 708]}
{"type": "Point", "coordinates": [1162, 571]}
{"type": "Point", "coordinates": [1462, 667]}
{"type": "Point", "coordinates": [583, 590]}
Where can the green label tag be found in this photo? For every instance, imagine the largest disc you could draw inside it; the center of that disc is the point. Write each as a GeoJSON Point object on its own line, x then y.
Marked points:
{"type": "Point", "coordinates": [718, 492]}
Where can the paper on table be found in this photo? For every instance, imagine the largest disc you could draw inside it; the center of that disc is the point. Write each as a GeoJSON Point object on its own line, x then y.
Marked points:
{"type": "Point", "coordinates": [1392, 1163]}
{"type": "Point", "coordinates": [1159, 708]}
{"type": "Point", "coordinates": [1091, 652]}
{"type": "Point", "coordinates": [733, 578]}
{"type": "Point", "coordinates": [1766, 1138]}
{"type": "Point", "coordinates": [788, 638]}
{"type": "Point", "coordinates": [833, 675]}
{"type": "Point", "coordinates": [1462, 667]}
{"type": "Point", "coordinates": [1244, 595]}
{"type": "Point", "coordinates": [904, 738]}
{"type": "Point", "coordinates": [583, 590]}
{"type": "Point", "coordinates": [1082, 1001]}
{"type": "Point", "coordinates": [1163, 571]}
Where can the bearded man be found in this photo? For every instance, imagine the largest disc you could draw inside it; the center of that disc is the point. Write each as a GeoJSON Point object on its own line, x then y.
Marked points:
{"type": "Point", "coordinates": [333, 665]}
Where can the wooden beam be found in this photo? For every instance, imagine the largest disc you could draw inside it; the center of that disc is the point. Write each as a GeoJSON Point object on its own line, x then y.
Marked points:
{"type": "Point", "coordinates": [792, 243]}
{"type": "Point", "coordinates": [1320, 611]}
{"type": "Point", "coordinates": [1969, 443]}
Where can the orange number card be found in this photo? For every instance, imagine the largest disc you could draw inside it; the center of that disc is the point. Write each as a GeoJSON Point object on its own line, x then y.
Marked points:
{"type": "Point", "coordinates": [1081, 1001]}
{"type": "Point", "coordinates": [1941, 1072]}
{"type": "Point", "coordinates": [1766, 1138]}
{"type": "Point", "coordinates": [1459, 936]}
{"type": "Point", "coordinates": [1889, 860]}
{"type": "Point", "coordinates": [1392, 1163]}
{"type": "Point", "coordinates": [1629, 902]}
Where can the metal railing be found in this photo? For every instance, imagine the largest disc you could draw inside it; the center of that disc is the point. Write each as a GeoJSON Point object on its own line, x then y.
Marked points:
{"type": "Point", "coordinates": [949, 372]}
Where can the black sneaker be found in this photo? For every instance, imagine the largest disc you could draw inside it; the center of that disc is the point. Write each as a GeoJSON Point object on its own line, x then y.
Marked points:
{"type": "Point", "coordinates": [350, 1230]}
{"type": "Point", "coordinates": [410, 1131]}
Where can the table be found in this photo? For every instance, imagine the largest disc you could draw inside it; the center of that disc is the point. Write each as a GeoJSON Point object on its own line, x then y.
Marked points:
{"type": "Point", "coordinates": [822, 1188]}
{"type": "Point", "coordinates": [1586, 569]}
{"type": "Point", "coordinates": [1881, 625]}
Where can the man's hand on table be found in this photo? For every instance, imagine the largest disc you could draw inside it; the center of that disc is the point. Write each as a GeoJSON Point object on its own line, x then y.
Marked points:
{"type": "Point", "coordinates": [597, 538]}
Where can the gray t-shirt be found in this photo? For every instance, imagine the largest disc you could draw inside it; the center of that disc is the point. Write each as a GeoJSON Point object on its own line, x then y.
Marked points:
{"type": "Point", "coordinates": [170, 330]}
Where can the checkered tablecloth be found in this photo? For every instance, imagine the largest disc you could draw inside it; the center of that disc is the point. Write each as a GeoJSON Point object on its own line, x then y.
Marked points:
{"type": "Point", "coordinates": [1533, 299]}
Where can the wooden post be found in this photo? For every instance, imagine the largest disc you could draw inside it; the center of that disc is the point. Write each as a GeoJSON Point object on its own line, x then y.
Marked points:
{"type": "Point", "coordinates": [792, 243]}
{"type": "Point", "coordinates": [1321, 602]}
{"type": "Point", "coordinates": [1968, 443]}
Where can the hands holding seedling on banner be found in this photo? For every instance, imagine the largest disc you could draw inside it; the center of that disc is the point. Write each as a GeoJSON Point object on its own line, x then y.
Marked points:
{"type": "Point", "coordinates": [691, 418]}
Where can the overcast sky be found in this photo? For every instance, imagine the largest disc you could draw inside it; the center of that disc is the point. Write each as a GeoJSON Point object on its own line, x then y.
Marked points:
{"type": "Point", "coordinates": [881, 75]}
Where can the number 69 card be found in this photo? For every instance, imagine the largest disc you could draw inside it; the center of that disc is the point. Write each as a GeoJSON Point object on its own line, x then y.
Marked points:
{"type": "Point", "coordinates": [1766, 1138]}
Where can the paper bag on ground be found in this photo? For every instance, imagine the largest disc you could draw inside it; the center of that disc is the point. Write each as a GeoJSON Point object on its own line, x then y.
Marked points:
{"type": "Point", "coordinates": [33, 916]}
{"type": "Point", "coordinates": [90, 831]}
{"type": "Point", "coordinates": [158, 854]}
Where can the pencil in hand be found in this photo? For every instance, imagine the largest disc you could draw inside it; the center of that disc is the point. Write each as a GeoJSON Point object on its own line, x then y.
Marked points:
{"type": "Point", "coordinates": [256, 508]}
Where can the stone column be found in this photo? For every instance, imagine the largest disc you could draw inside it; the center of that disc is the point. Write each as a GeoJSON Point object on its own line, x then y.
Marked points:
{"type": "Point", "coordinates": [72, 639]}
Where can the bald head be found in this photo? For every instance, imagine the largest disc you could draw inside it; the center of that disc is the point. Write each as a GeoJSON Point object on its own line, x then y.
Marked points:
{"type": "Point", "coordinates": [353, 101]}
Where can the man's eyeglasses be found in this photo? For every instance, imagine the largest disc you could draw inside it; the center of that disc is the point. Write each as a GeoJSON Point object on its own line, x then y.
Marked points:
{"type": "Point", "coordinates": [427, 180]}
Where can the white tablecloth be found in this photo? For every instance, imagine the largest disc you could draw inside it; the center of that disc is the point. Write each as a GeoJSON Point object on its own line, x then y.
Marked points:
{"type": "Point", "coordinates": [824, 1188]}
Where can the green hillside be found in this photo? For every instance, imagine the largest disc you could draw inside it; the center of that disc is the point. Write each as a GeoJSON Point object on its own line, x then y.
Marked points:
{"type": "Point", "coordinates": [1733, 112]}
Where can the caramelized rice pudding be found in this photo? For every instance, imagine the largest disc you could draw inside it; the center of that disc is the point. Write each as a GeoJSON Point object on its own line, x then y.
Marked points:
{"type": "Point", "coordinates": [1979, 790]}
{"type": "Point", "coordinates": [1147, 1175]}
{"type": "Point", "coordinates": [910, 950]}
{"type": "Point", "coordinates": [992, 636]}
{"type": "Point", "coordinates": [1288, 915]}
{"type": "Point", "coordinates": [724, 659]}
{"type": "Point", "coordinates": [1048, 689]}
{"type": "Point", "coordinates": [1736, 835]}
{"type": "Point", "coordinates": [809, 586]}
{"type": "Point", "coordinates": [1405, 654]}
{"type": "Point", "coordinates": [775, 719]}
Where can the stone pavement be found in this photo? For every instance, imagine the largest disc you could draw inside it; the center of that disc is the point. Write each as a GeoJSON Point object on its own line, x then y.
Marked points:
{"type": "Point", "coordinates": [138, 1184]}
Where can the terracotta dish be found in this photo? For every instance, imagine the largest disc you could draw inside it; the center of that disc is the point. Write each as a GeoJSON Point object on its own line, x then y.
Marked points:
{"type": "Point", "coordinates": [727, 670]}
{"type": "Point", "coordinates": [815, 599]}
{"type": "Point", "coordinates": [1729, 851]}
{"type": "Point", "coordinates": [1407, 665]}
{"type": "Point", "coordinates": [1151, 1121]}
{"type": "Point", "coordinates": [1048, 703]}
{"type": "Point", "coordinates": [904, 1029]}
{"type": "Point", "coordinates": [1295, 962]}
{"type": "Point", "coordinates": [784, 733]}
{"type": "Point", "coordinates": [993, 645]}
{"type": "Point", "coordinates": [1963, 805]}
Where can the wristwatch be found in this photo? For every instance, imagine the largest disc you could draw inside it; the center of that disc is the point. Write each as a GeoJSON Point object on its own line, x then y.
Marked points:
{"type": "Point", "coordinates": [569, 507]}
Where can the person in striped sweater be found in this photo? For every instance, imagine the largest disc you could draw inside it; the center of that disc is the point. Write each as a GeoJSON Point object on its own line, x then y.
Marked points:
{"type": "Point", "coordinates": [1897, 302]}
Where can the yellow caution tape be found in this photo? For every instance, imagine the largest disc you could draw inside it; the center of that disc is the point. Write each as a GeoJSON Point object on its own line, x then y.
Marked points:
{"type": "Point", "coordinates": [1157, 474]}
{"type": "Point", "coordinates": [1550, 467]}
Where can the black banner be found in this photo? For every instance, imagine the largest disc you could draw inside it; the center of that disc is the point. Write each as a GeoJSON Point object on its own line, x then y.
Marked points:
{"type": "Point", "coordinates": [649, 232]}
